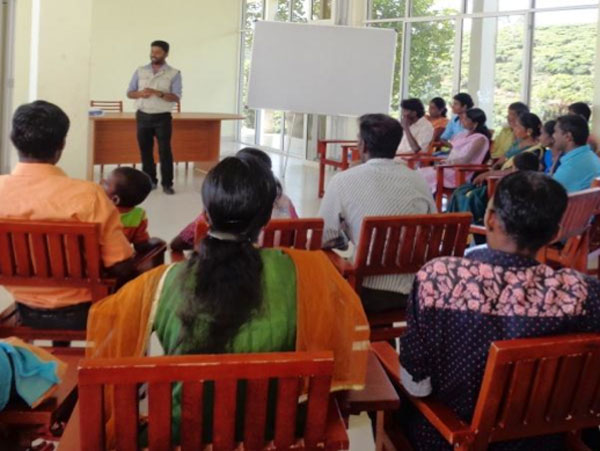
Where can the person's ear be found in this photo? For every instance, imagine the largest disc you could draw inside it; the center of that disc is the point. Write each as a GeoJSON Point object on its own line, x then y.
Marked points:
{"type": "Point", "coordinates": [490, 221]}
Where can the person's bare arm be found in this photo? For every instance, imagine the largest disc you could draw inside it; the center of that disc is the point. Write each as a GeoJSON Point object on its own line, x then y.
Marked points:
{"type": "Point", "coordinates": [143, 94]}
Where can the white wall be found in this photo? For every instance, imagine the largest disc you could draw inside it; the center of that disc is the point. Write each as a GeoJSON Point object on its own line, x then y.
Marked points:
{"type": "Point", "coordinates": [88, 49]}
{"type": "Point", "coordinates": [204, 36]}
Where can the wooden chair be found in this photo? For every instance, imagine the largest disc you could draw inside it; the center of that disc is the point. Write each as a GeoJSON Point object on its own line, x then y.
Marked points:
{"type": "Point", "coordinates": [109, 106]}
{"type": "Point", "coordinates": [417, 160]}
{"type": "Point", "coordinates": [349, 149]}
{"type": "Point", "coordinates": [401, 245]}
{"type": "Point", "coordinates": [462, 173]}
{"type": "Point", "coordinates": [574, 232]}
{"type": "Point", "coordinates": [49, 254]}
{"type": "Point", "coordinates": [531, 387]}
{"type": "Point", "coordinates": [571, 247]}
{"type": "Point", "coordinates": [301, 233]}
{"type": "Point", "coordinates": [324, 426]}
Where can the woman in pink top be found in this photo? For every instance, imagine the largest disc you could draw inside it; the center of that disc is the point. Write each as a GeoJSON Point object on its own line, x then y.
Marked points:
{"type": "Point", "coordinates": [283, 207]}
{"type": "Point", "coordinates": [468, 147]}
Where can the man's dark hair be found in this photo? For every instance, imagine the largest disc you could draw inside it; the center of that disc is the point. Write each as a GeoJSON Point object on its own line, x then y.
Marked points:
{"type": "Point", "coordinates": [530, 205]}
{"type": "Point", "coordinates": [381, 134]}
{"type": "Point", "coordinates": [413, 105]}
{"type": "Point", "coordinates": [162, 44]}
{"type": "Point", "coordinates": [527, 161]}
{"type": "Point", "coordinates": [532, 122]}
{"type": "Point", "coordinates": [518, 107]}
{"type": "Point", "coordinates": [577, 126]}
{"type": "Point", "coordinates": [132, 186]}
{"type": "Point", "coordinates": [39, 129]}
{"type": "Point", "coordinates": [464, 99]}
{"type": "Point", "coordinates": [582, 109]}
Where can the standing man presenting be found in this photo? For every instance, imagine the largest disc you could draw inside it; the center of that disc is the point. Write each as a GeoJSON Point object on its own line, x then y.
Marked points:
{"type": "Point", "coordinates": [156, 87]}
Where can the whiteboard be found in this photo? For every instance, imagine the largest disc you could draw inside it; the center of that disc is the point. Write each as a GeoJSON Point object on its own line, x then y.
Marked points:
{"type": "Point", "coordinates": [321, 69]}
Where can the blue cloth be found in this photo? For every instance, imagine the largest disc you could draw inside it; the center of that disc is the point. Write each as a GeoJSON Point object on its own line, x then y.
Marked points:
{"type": "Point", "coordinates": [176, 84]}
{"type": "Point", "coordinates": [33, 377]}
{"type": "Point", "coordinates": [578, 168]}
{"type": "Point", "coordinates": [5, 379]}
{"type": "Point", "coordinates": [547, 161]}
{"type": "Point", "coordinates": [454, 127]}
{"type": "Point", "coordinates": [514, 149]}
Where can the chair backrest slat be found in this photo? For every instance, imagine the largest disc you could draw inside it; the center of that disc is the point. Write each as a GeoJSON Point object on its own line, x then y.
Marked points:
{"type": "Point", "coordinates": [110, 106]}
{"type": "Point", "coordinates": [92, 434]}
{"type": "Point", "coordinates": [126, 416]}
{"type": "Point", "coordinates": [301, 233]}
{"type": "Point", "coordinates": [581, 207]}
{"type": "Point", "coordinates": [285, 413]}
{"type": "Point", "coordinates": [224, 414]}
{"type": "Point", "coordinates": [403, 244]}
{"type": "Point", "coordinates": [255, 420]}
{"type": "Point", "coordinates": [159, 409]}
{"type": "Point", "coordinates": [316, 410]}
{"type": "Point", "coordinates": [535, 386]}
{"type": "Point", "coordinates": [229, 372]}
{"type": "Point", "coordinates": [22, 254]}
{"type": "Point", "coordinates": [192, 398]}
{"type": "Point", "coordinates": [49, 253]}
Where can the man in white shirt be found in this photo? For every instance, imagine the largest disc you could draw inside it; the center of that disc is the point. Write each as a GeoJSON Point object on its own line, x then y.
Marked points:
{"type": "Point", "coordinates": [378, 187]}
{"type": "Point", "coordinates": [418, 131]}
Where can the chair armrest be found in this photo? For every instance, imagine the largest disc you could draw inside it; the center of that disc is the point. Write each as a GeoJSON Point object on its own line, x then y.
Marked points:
{"type": "Point", "coordinates": [345, 267]}
{"type": "Point", "coordinates": [465, 167]}
{"type": "Point", "coordinates": [477, 229]}
{"type": "Point", "coordinates": [338, 141]}
{"type": "Point", "coordinates": [336, 437]}
{"type": "Point", "coordinates": [441, 417]}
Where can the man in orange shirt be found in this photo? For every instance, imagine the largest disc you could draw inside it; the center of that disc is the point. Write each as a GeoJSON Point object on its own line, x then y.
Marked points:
{"type": "Point", "coordinates": [38, 190]}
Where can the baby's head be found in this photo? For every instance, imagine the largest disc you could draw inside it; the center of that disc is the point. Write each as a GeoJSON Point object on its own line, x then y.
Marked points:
{"type": "Point", "coordinates": [127, 187]}
{"type": "Point", "coordinates": [527, 161]}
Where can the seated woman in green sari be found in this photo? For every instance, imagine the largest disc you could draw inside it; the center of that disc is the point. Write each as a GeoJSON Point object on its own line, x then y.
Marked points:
{"type": "Point", "coordinates": [232, 297]}
{"type": "Point", "coordinates": [473, 196]}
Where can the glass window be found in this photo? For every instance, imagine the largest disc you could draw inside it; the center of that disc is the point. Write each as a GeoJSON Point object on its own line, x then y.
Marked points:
{"type": "Point", "coordinates": [435, 7]}
{"type": "Point", "coordinates": [294, 134]}
{"type": "Point", "coordinates": [431, 55]}
{"type": "Point", "coordinates": [396, 85]}
{"type": "Point", "coordinates": [558, 3]}
{"type": "Point", "coordinates": [271, 127]}
{"type": "Point", "coordinates": [387, 9]}
{"type": "Point", "coordinates": [492, 63]}
{"type": "Point", "coordinates": [282, 11]}
{"type": "Point", "coordinates": [563, 60]}
{"type": "Point", "coordinates": [501, 5]}
{"type": "Point", "coordinates": [321, 9]}
{"type": "Point", "coordinates": [254, 11]}
{"type": "Point", "coordinates": [300, 9]}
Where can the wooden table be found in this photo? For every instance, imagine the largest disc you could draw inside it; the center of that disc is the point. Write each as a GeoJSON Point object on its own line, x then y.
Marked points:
{"type": "Point", "coordinates": [196, 137]}
{"type": "Point", "coordinates": [38, 421]}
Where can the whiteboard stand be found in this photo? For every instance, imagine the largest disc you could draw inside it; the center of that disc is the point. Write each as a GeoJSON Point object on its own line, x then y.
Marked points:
{"type": "Point", "coordinates": [283, 163]}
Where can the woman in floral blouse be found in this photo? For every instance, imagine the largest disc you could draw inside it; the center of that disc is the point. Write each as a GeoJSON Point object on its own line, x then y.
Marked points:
{"type": "Point", "coordinates": [459, 306]}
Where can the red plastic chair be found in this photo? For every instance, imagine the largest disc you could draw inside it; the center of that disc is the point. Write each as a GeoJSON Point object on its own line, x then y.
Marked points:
{"type": "Point", "coordinates": [349, 149]}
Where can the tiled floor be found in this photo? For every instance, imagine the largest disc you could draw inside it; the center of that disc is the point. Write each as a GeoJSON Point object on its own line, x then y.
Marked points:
{"type": "Point", "coordinates": [168, 214]}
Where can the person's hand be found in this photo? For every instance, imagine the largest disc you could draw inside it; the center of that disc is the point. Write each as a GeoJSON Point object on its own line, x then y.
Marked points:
{"type": "Point", "coordinates": [404, 123]}
{"type": "Point", "coordinates": [145, 93]}
{"type": "Point", "coordinates": [481, 178]}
